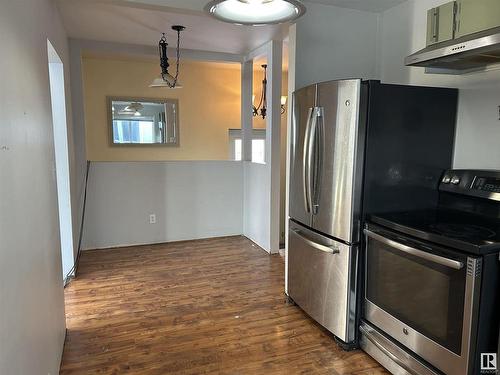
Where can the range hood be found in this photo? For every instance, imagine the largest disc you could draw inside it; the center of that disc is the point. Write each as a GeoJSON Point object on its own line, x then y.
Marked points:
{"type": "Point", "coordinates": [466, 54]}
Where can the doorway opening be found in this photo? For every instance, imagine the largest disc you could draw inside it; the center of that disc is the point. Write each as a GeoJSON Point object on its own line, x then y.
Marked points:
{"type": "Point", "coordinates": [58, 103]}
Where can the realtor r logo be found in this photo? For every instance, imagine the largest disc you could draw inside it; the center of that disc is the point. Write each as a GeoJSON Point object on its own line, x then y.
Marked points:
{"type": "Point", "coordinates": [489, 363]}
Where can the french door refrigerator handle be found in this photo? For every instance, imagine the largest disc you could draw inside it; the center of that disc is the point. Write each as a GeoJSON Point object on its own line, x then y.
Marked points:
{"type": "Point", "coordinates": [311, 162]}
{"type": "Point", "coordinates": [455, 264]}
{"type": "Point", "coordinates": [305, 163]}
{"type": "Point", "coordinates": [317, 246]}
{"type": "Point", "coordinates": [318, 151]}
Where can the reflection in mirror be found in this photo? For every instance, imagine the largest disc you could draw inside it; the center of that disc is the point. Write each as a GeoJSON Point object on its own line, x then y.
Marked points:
{"type": "Point", "coordinates": [144, 121]}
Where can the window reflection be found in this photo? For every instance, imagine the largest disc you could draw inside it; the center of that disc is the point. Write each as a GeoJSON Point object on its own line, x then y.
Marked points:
{"type": "Point", "coordinates": [132, 131]}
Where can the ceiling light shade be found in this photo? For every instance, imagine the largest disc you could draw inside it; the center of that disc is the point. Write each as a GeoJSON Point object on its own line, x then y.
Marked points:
{"type": "Point", "coordinates": [130, 109]}
{"type": "Point", "coordinates": [166, 81]}
{"type": "Point", "coordinates": [255, 12]}
{"type": "Point", "coordinates": [133, 107]}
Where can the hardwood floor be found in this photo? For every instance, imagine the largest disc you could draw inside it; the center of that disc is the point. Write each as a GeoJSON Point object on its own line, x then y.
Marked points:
{"type": "Point", "coordinates": [212, 306]}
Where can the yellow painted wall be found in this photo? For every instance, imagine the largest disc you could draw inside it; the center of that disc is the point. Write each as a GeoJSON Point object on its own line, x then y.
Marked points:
{"type": "Point", "coordinates": [209, 105]}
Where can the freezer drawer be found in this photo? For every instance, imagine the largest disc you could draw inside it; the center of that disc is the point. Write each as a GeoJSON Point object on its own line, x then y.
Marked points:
{"type": "Point", "coordinates": [322, 279]}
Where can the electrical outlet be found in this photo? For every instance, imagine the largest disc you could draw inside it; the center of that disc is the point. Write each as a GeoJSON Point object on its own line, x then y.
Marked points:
{"type": "Point", "coordinates": [152, 219]}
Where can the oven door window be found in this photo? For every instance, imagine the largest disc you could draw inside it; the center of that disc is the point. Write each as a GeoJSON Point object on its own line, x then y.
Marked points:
{"type": "Point", "coordinates": [424, 295]}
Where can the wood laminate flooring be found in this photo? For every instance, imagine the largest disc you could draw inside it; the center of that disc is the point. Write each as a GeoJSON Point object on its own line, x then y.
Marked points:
{"type": "Point", "coordinates": [212, 306]}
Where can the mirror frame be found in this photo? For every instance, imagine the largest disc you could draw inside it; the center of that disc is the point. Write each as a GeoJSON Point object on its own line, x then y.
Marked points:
{"type": "Point", "coordinates": [164, 101]}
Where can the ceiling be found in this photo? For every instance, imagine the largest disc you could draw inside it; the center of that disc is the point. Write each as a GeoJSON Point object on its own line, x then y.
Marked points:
{"type": "Point", "coordinates": [142, 22]}
{"type": "Point", "coordinates": [366, 5]}
{"type": "Point", "coordinates": [115, 22]}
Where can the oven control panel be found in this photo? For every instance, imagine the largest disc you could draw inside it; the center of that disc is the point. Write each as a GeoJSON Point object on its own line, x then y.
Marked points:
{"type": "Point", "coordinates": [491, 184]}
{"type": "Point", "coordinates": [483, 184]}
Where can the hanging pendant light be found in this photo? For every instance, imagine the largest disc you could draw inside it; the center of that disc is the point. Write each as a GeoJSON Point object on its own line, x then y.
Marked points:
{"type": "Point", "coordinates": [255, 12]}
{"type": "Point", "coordinates": [166, 79]}
{"type": "Point", "coordinates": [261, 109]}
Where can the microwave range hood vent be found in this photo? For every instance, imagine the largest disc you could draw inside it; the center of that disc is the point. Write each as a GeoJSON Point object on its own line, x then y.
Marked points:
{"type": "Point", "coordinates": [469, 53]}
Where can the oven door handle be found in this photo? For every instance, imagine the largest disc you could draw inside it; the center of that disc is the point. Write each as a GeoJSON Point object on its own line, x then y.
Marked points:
{"type": "Point", "coordinates": [455, 264]}
{"type": "Point", "coordinates": [371, 336]}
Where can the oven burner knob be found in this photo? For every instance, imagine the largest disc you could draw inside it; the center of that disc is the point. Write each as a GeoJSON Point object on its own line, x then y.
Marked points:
{"type": "Point", "coordinates": [446, 179]}
{"type": "Point", "coordinates": [455, 180]}
{"type": "Point", "coordinates": [405, 331]}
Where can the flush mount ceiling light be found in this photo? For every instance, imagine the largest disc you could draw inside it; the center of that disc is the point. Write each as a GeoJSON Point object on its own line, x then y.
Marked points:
{"type": "Point", "coordinates": [255, 12]}
{"type": "Point", "coordinates": [166, 79]}
{"type": "Point", "coordinates": [133, 108]}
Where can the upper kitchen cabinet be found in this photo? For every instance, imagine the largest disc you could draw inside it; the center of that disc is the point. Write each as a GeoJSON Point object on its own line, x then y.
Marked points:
{"type": "Point", "coordinates": [476, 15]}
{"type": "Point", "coordinates": [441, 23]}
{"type": "Point", "coordinates": [462, 36]}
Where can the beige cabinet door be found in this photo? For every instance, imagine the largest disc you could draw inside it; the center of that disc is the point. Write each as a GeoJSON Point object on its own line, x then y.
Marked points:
{"type": "Point", "coordinates": [477, 15]}
{"type": "Point", "coordinates": [441, 23]}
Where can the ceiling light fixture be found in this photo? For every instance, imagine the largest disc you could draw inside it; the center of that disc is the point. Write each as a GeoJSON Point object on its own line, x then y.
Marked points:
{"type": "Point", "coordinates": [255, 12]}
{"type": "Point", "coordinates": [130, 109]}
{"type": "Point", "coordinates": [166, 79]}
{"type": "Point", "coordinates": [261, 109]}
{"type": "Point", "coordinates": [283, 104]}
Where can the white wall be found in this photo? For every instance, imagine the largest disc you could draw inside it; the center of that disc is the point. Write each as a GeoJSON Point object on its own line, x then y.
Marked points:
{"type": "Point", "coordinates": [478, 129]}
{"type": "Point", "coordinates": [402, 32]}
{"type": "Point", "coordinates": [257, 202]}
{"type": "Point", "coordinates": [261, 194]}
{"type": "Point", "coordinates": [191, 200]}
{"type": "Point", "coordinates": [79, 156]}
{"type": "Point", "coordinates": [32, 322]}
{"type": "Point", "coordinates": [60, 129]}
{"type": "Point", "coordinates": [335, 43]}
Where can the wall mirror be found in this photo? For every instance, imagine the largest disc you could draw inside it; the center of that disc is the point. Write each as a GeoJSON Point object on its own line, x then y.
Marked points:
{"type": "Point", "coordinates": [139, 121]}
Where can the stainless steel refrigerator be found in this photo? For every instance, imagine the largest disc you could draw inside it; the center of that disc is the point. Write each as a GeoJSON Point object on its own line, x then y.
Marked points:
{"type": "Point", "coordinates": [357, 147]}
{"type": "Point", "coordinates": [325, 203]}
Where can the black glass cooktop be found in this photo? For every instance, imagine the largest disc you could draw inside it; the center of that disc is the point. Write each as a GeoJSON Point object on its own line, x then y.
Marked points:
{"type": "Point", "coordinates": [457, 229]}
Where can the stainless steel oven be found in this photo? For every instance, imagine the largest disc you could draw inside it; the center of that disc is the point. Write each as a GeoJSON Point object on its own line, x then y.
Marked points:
{"type": "Point", "coordinates": [424, 296]}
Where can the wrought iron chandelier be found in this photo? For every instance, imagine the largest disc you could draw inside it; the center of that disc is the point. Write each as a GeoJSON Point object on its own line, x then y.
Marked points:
{"type": "Point", "coordinates": [166, 79]}
{"type": "Point", "coordinates": [261, 109]}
